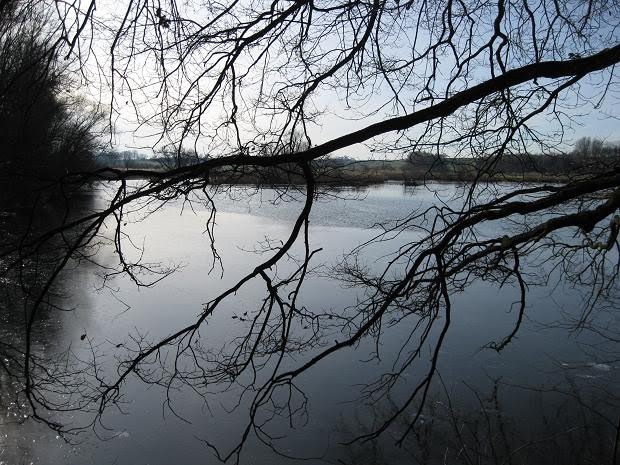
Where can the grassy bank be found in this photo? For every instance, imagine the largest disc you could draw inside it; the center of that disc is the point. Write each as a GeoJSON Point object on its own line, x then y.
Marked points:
{"type": "Point", "coordinates": [367, 172]}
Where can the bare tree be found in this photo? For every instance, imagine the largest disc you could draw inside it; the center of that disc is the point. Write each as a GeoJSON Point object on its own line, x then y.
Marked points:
{"type": "Point", "coordinates": [45, 132]}
{"type": "Point", "coordinates": [241, 80]}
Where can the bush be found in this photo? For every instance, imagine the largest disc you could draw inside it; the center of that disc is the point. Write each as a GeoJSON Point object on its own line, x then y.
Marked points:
{"type": "Point", "coordinates": [44, 135]}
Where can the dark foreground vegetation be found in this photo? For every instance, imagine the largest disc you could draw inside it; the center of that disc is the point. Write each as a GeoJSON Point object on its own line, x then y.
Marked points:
{"type": "Point", "coordinates": [46, 130]}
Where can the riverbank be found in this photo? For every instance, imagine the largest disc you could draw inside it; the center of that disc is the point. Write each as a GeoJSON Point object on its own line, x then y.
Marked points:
{"type": "Point", "coordinates": [361, 174]}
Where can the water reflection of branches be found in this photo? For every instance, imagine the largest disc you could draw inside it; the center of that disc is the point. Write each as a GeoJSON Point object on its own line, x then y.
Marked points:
{"type": "Point", "coordinates": [568, 424]}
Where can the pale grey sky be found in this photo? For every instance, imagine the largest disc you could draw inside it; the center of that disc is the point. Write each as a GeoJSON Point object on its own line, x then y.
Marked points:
{"type": "Point", "coordinates": [585, 115]}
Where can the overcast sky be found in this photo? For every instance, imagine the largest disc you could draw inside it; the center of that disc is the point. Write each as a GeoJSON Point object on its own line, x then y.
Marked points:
{"type": "Point", "coordinates": [590, 115]}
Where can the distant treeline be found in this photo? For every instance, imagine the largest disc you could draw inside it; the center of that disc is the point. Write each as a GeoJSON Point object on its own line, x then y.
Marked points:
{"type": "Point", "coordinates": [588, 156]}
{"type": "Point", "coordinates": [160, 161]}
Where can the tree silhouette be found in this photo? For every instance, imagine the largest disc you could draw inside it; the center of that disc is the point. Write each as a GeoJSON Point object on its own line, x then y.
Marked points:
{"type": "Point", "coordinates": [45, 133]}
{"type": "Point", "coordinates": [241, 80]}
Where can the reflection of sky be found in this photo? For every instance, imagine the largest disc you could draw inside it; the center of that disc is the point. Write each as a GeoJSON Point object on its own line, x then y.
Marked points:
{"type": "Point", "coordinates": [585, 113]}
{"type": "Point", "coordinates": [150, 432]}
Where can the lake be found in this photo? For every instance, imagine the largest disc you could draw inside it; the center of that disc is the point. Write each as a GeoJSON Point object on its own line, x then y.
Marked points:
{"type": "Point", "coordinates": [552, 393]}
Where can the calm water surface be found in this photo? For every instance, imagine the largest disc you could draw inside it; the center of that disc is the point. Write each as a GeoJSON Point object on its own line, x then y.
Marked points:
{"type": "Point", "coordinates": [543, 359]}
